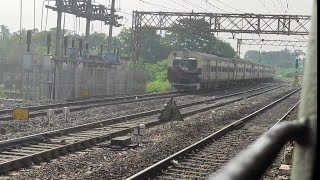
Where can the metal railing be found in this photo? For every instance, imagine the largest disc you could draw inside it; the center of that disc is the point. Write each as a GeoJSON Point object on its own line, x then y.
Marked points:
{"type": "Point", "coordinates": [255, 160]}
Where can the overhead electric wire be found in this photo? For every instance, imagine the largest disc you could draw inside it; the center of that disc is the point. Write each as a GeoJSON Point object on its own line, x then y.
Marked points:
{"type": "Point", "coordinates": [275, 6]}
{"type": "Point", "coordinates": [215, 6]}
{"type": "Point", "coordinates": [265, 6]}
{"type": "Point", "coordinates": [281, 6]}
{"type": "Point", "coordinates": [194, 5]}
{"type": "Point", "coordinates": [159, 5]}
{"type": "Point", "coordinates": [180, 4]}
{"type": "Point", "coordinates": [230, 6]}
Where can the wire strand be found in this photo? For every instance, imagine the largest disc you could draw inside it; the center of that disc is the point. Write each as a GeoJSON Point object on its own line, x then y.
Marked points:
{"type": "Point", "coordinates": [265, 6]}
{"type": "Point", "coordinates": [216, 6]}
{"type": "Point", "coordinates": [159, 5]}
{"type": "Point", "coordinates": [180, 4]}
{"type": "Point", "coordinates": [230, 6]}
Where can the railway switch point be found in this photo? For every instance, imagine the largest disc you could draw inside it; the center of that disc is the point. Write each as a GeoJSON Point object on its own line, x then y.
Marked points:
{"type": "Point", "coordinates": [123, 141]}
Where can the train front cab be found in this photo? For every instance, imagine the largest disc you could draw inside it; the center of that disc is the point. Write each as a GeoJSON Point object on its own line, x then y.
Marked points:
{"type": "Point", "coordinates": [183, 73]}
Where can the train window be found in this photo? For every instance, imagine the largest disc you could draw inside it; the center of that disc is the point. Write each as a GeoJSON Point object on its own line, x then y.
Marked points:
{"type": "Point", "coordinates": [185, 64]}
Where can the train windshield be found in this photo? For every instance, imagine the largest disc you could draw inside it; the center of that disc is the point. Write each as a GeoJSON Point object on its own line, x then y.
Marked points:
{"type": "Point", "coordinates": [184, 64]}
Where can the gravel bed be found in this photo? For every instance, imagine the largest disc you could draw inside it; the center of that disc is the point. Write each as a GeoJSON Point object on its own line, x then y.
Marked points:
{"type": "Point", "coordinates": [10, 103]}
{"type": "Point", "coordinates": [40, 124]}
{"type": "Point", "coordinates": [273, 171]}
{"type": "Point", "coordinates": [161, 141]}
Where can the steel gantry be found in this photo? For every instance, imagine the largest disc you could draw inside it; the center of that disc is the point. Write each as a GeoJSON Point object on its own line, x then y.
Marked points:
{"type": "Point", "coordinates": [88, 10]}
{"type": "Point", "coordinates": [84, 9]}
{"type": "Point", "coordinates": [268, 42]}
{"type": "Point", "coordinates": [227, 23]}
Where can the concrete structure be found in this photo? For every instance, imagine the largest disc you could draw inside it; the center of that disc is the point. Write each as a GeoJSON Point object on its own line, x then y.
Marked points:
{"type": "Point", "coordinates": [72, 78]}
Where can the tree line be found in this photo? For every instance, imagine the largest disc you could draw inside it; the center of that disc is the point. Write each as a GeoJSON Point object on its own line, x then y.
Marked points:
{"type": "Point", "coordinates": [155, 46]}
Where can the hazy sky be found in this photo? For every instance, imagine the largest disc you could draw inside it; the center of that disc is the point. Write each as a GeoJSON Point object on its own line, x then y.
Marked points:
{"type": "Point", "coordinates": [10, 13]}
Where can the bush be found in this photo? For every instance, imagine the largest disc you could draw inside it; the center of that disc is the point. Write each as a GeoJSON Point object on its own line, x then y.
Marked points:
{"type": "Point", "coordinates": [285, 72]}
{"type": "Point", "coordinates": [158, 86]}
{"type": "Point", "coordinates": [2, 93]}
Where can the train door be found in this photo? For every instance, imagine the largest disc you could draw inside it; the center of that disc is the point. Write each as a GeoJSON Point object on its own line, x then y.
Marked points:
{"type": "Point", "coordinates": [235, 71]}
{"type": "Point", "coordinates": [213, 70]}
{"type": "Point", "coordinates": [228, 70]}
{"type": "Point", "coordinates": [244, 71]}
{"type": "Point", "coordinates": [207, 70]}
{"type": "Point", "coordinates": [251, 72]}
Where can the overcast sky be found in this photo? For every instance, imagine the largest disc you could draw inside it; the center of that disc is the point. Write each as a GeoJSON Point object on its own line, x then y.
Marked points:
{"type": "Point", "coordinates": [10, 13]}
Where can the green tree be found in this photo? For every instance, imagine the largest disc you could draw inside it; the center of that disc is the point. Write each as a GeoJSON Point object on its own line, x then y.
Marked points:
{"type": "Point", "coordinates": [153, 49]}
{"type": "Point", "coordinates": [4, 33]}
{"type": "Point", "coordinates": [283, 58]}
{"type": "Point", "coordinates": [194, 34]}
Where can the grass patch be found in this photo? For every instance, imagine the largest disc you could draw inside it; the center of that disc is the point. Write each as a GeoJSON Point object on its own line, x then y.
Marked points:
{"type": "Point", "coordinates": [2, 96]}
{"type": "Point", "coordinates": [158, 86]}
{"type": "Point", "coordinates": [285, 72]}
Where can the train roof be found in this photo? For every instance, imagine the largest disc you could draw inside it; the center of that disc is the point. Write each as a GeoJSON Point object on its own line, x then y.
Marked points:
{"type": "Point", "coordinates": [210, 56]}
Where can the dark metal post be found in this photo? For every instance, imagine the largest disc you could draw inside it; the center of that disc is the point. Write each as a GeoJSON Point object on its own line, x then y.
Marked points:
{"type": "Point", "coordinates": [112, 22]}
{"type": "Point", "coordinates": [57, 53]}
{"type": "Point", "coordinates": [80, 47]}
{"type": "Point", "coordinates": [65, 45]}
{"type": "Point", "coordinates": [101, 48]}
{"type": "Point", "coordinates": [29, 33]}
{"type": "Point", "coordinates": [304, 157]}
{"type": "Point", "coordinates": [239, 47]}
{"type": "Point", "coordinates": [89, 13]}
{"type": "Point", "coordinates": [48, 43]}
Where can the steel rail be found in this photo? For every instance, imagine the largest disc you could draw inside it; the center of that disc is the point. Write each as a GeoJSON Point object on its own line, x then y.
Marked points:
{"type": "Point", "coordinates": [83, 102]}
{"type": "Point", "coordinates": [81, 108]}
{"type": "Point", "coordinates": [41, 136]}
{"type": "Point", "coordinates": [156, 169]}
{"type": "Point", "coordinates": [80, 133]}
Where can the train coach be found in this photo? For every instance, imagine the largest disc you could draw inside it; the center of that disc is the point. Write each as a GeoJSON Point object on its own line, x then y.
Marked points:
{"type": "Point", "coordinates": [189, 70]}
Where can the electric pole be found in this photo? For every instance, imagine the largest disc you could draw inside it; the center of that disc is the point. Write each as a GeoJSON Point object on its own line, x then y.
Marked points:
{"type": "Point", "coordinates": [89, 12]}
{"type": "Point", "coordinates": [111, 25]}
{"type": "Point", "coordinates": [58, 46]}
{"type": "Point", "coordinates": [20, 21]}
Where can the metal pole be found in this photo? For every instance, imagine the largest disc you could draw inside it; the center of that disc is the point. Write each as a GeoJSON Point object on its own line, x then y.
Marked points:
{"type": "Point", "coordinates": [111, 26]}
{"type": "Point", "coordinates": [304, 157]}
{"type": "Point", "coordinates": [57, 53]}
{"type": "Point", "coordinates": [20, 21]}
{"type": "Point", "coordinates": [34, 14]}
{"type": "Point", "coordinates": [88, 21]}
{"type": "Point", "coordinates": [239, 47]}
{"type": "Point", "coordinates": [34, 87]}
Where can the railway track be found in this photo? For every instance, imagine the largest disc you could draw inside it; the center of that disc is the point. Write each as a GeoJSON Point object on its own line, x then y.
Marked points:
{"type": "Point", "coordinates": [20, 152]}
{"type": "Point", "coordinates": [120, 96]}
{"type": "Point", "coordinates": [76, 106]}
{"type": "Point", "coordinates": [204, 157]}
{"type": "Point", "coordinates": [37, 111]}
